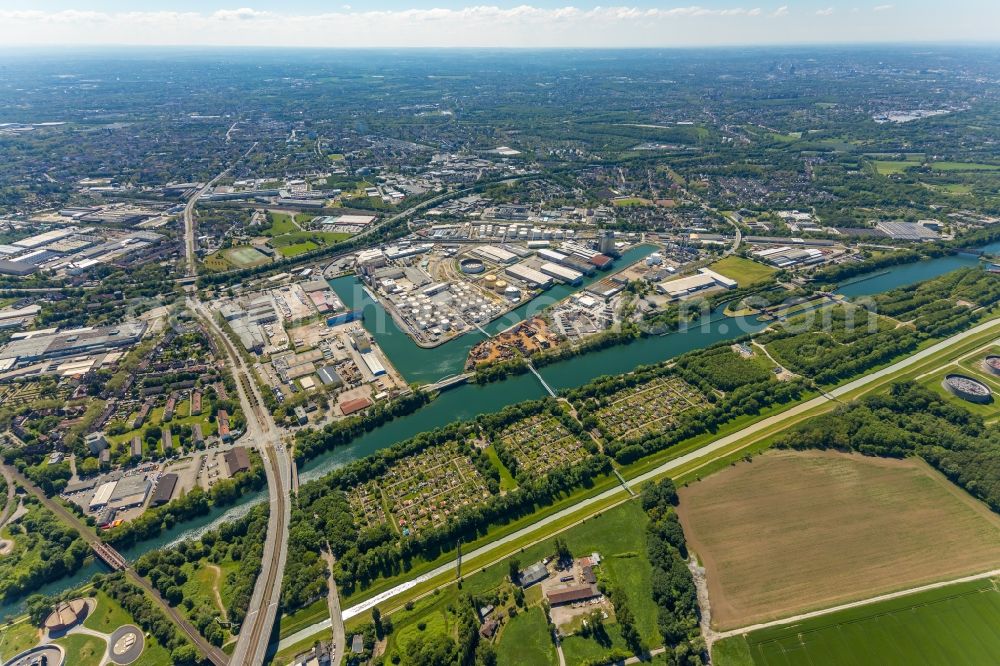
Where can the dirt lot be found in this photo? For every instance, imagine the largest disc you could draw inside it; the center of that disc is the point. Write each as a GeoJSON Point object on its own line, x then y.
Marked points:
{"type": "Point", "coordinates": [792, 532]}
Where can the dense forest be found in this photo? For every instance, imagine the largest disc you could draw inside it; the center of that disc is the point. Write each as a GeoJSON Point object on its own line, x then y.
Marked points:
{"type": "Point", "coordinates": [239, 543]}
{"type": "Point", "coordinates": [672, 586]}
{"type": "Point", "coordinates": [44, 550]}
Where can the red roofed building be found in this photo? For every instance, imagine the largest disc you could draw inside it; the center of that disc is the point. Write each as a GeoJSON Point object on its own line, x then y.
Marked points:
{"type": "Point", "coordinates": [349, 407]}
{"type": "Point", "coordinates": [602, 261]}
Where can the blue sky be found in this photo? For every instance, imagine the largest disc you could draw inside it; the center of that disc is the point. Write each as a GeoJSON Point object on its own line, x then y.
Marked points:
{"type": "Point", "coordinates": [490, 23]}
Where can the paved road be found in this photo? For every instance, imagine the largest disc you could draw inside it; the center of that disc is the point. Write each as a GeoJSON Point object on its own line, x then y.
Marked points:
{"type": "Point", "coordinates": [189, 231]}
{"type": "Point", "coordinates": [705, 452]}
{"type": "Point", "coordinates": [214, 654]}
{"type": "Point", "coordinates": [337, 618]}
{"type": "Point", "coordinates": [255, 634]}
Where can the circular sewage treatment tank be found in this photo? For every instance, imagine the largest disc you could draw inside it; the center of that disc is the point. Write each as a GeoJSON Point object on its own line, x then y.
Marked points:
{"type": "Point", "coordinates": [992, 364]}
{"type": "Point", "coordinates": [967, 388]}
{"type": "Point", "coordinates": [471, 266]}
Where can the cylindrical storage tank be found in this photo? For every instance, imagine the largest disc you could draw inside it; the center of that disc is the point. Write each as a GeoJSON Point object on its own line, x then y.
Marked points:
{"type": "Point", "coordinates": [501, 285]}
{"type": "Point", "coordinates": [512, 292]}
{"type": "Point", "coordinates": [445, 325]}
{"type": "Point", "coordinates": [968, 389]}
{"type": "Point", "coordinates": [992, 364]}
{"type": "Point", "coordinates": [490, 281]}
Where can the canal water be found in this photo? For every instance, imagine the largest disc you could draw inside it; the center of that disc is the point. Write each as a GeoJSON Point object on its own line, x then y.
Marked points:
{"type": "Point", "coordinates": [468, 401]}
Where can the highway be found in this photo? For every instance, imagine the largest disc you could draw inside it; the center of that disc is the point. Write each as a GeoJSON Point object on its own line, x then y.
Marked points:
{"type": "Point", "coordinates": [704, 454]}
{"type": "Point", "coordinates": [189, 230]}
{"type": "Point", "coordinates": [263, 432]}
{"type": "Point", "coordinates": [214, 654]}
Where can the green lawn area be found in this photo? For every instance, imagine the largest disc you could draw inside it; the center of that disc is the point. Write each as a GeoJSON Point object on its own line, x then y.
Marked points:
{"type": "Point", "coordinates": [617, 534]}
{"type": "Point", "coordinates": [507, 481]}
{"type": "Point", "coordinates": [182, 416]}
{"type": "Point", "coordinates": [297, 249]}
{"type": "Point", "coordinates": [311, 614]}
{"type": "Point", "coordinates": [245, 256]}
{"type": "Point", "coordinates": [987, 411]}
{"type": "Point", "coordinates": [955, 624]}
{"type": "Point", "coordinates": [963, 166]}
{"type": "Point", "coordinates": [732, 651]}
{"type": "Point", "coordinates": [525, 641]}
{"type": "Point", "coordinates": [289, 653]}
{"type": "Point", "coordinates": [281, 223]}
{"type": "Point", "coordinates": [893, 167]}
{"type": "Point", "coordinates": [108, 615]}
{"type": "Point", "coordinates": [630, 201]}
{"type": "Point", "coordinates": [17, 638]}
{"type": "Point", "coordinates": [745, 271]}
{"type": "Point", "coordinates": [83, 650]}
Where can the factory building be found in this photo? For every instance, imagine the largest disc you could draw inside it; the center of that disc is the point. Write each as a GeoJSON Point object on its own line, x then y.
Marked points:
{"type": "Point", "coordinates": [786, 257]}
{"type": "Point", "coordinates": [495, 254]}
{"type": "Point", "coordinates": [374, 365]}
{"type": "Point", "coordinates": [704, 279]}
{"type": "Point", "coordinates": [73, 342]}
{"type": "Point", "coordinates": [561, 273]}
{"type": "Point", "coordinates": [529, 276]}
{"type": "Point", "coordinates": [102, 496]}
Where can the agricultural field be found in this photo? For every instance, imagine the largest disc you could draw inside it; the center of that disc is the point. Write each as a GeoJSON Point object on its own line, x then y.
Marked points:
{"type": "Point", "coordinates": [744, 271]}
{"type": "Point", "coordinates": [419, 492]}
{"type": "Point", "coordinates": [537, 444]}
{"type": "Point", "coordinates": [646, 408]}
{"type": "Point", "coordinates": [954, 624]}
{"type": "Point", "coordinates": [791, 532]}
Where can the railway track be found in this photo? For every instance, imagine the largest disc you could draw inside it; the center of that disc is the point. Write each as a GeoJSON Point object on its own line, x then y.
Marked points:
{"type": "Point", "coordinates": [253, 640]}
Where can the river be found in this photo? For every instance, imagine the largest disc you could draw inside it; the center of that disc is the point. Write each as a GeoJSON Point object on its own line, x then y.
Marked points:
{"type": "Point", "coordinates": [417, 364]}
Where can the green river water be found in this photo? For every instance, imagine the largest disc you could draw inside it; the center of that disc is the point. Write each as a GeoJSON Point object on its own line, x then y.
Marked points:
{"type": "Point", "coordinates": [464, 402]}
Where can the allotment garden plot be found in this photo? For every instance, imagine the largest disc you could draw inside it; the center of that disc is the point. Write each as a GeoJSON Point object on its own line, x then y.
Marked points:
{"type": "Point", "coordinates": [535, 445]}
{"type": "Point", "coordinates": [420, 491]}
{"type": "Point", "coordinates": [648, 408]}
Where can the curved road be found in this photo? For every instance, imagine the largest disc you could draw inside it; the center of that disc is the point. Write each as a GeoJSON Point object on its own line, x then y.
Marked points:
{"type": "Point", "coordinates": [214, 654]}
{"type": "Point", "coordinates": [703, 452]}
{"type": "Point", "coordinates": [255, 634]}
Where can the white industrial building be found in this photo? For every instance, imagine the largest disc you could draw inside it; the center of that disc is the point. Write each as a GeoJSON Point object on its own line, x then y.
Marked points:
{"type": "Point", "coordinates": [495, 254]}
{"type": "Point", "coordinates": [704, 279]}
{"type": "Point", "coordinates": [102, 495]}
{"type": "Point", "coordinates": [529, 276]}
{"type": "Point", "coordinates": [561, 273]}
{"type": "Point", "coordinates": [786, 257]}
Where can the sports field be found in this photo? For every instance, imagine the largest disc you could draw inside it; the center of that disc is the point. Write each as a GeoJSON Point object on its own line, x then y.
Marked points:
{"type": "Point", "coordinates": [245, 256]}
{"type": "Point", "coordinates": [792, 532]}
{"type": "Point", "coordinates": [956, 624]}
{"type": "Point", "coordinates": [744, 271]}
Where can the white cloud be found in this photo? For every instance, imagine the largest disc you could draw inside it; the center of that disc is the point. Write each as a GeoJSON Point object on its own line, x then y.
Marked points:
{"type": "Point", "coordinates": [487, 25]}
{"type": "Point", "coordinates": [241, 14]}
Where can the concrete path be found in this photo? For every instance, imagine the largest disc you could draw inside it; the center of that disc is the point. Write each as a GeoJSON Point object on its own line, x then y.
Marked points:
{"type": "Point", "coordinates": [706, 452]}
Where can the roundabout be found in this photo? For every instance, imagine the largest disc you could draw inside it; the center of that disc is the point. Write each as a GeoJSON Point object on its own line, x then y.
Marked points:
{"type": "Point", "coordinates": [125, 644]}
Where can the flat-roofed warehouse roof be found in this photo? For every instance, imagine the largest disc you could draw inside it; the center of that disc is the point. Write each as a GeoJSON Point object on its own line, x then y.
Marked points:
{"type": "Point", "coordinates": [164, 489]}
{"type": "Point", "coordinates": [103, 495]}
{"type": "Point", "coordinates": [73, 342]}
{"type": "Point", "coordinates": [47, 237]}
